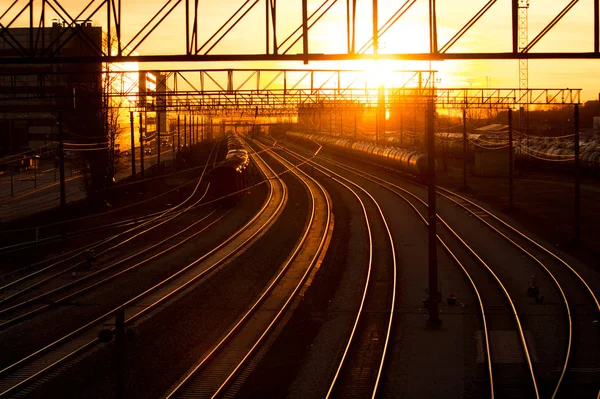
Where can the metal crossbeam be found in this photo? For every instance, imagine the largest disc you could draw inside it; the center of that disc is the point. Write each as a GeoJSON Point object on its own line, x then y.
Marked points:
{"type": "Point", "coordinates": [193, 41]}
{"type": "Point", "coordinates": [270, 91]}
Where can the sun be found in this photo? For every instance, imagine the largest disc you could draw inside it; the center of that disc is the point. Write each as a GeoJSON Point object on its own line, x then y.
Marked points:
{"type": "Point", "coordinates": [379, 73]}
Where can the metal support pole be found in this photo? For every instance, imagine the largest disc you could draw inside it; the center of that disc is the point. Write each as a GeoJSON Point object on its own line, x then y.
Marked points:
{"type": "Point", "coordinates": [375, 28]}
{"type": "Point", "coordinates": [267, 26]}
{"type": "Point", "coordinates": [132, 145]}
{"type": "Point", "coordinates": [377, 125]}
{"type": "Point", "coordinates": [12, 187]}
{"type": "Point", "coordinates": [141, 149]}
{"type": "Point", "coordinates": [596, 26]}
{"type": "Point", "coordinates": [510, 160]}
{"type": "Point", "coordinates": [355, 128]}
{"type": "Point", "coordinates": [465, 148]}
{"type": "Point", "coordinates": [61, 161]}
{"type": "Point", "coordinates": [381, 112]}
{"type": "Point", "coordinates": [172, 145]}
{"type": "Point", "coordinates": [305, 30]}
{"type": "Point", "coordinates": [515, 26]}
{"type": "Point", "coordinates": [34, 175]}
{"type": "Point", "coordinates": [191, 131]}
{"type": "Point", "coordinates": [577, 214]}
{"type": "Point", "coordinates": [178, 134]}
{"type": "Point", "coordinates": [434, 295]}
{"type": "Point", "coordinates": [120, 352]}
{"type": "Point", "coordinates": [401, 127]}
{"type": "Point", "coordinates": [158, 140]}
{"type": "Point", "coordinates": [185, 131]}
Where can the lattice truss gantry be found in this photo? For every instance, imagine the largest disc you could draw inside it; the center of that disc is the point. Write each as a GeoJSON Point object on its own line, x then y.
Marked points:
{"type": "Point", "coordinates": [276, 32]}
{"type": "Point", "coordinates": [272, 92]}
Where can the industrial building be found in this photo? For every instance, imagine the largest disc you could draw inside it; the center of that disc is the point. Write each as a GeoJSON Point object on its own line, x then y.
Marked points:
{"type": "Point", "coordinates": [86, 105]}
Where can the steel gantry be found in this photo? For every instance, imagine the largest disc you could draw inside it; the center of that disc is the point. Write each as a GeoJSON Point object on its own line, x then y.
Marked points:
{"type": "Point", "coordinates": [270, 91]}
{"type": "Point", "coordinates": [109, 32]}
{"type": "Point", "coordinates": [286, 31]}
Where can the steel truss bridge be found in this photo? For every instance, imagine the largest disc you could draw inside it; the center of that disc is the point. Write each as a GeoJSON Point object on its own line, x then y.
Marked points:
{"type": "Point", "coordinates": [286, 30]}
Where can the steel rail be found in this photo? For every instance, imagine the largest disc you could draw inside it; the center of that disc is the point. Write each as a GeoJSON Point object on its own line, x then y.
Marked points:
{"type": "Point", "coordinates": [118, 209]}
{"type": "Point", "coordinates": [245, 318]}
{"type": "Point", "coordinates": [473, 286]}
{"type": "Point", "coordinates": [535, 260]}
{"type": "Point", "coordinates": [52, 239]}
{"type": "Point", "coordinates": [466, 246]}
{"type": "Point", "coordinates": [363, 299]}
{"type": "Point", "coordinates": [445, 193]}
{"type": "Point", "coordinates": [204, 273]}
{"type": "Point", "coordinates": [532, 241]}
{"type": "Point", "coordinates": [340, 180]}
{"type": "Point", "coordinates": [39, 298]}
{"type": "Point", "coordinates": [166, 213]}
{"type": "Point", "coordinates": [546, 270]}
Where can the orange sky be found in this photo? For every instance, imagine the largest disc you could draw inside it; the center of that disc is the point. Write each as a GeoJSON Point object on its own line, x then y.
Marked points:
{"type": "Point", "coordinates": [492, 33]}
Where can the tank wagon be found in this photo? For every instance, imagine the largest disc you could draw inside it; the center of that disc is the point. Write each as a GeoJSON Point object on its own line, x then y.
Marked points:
{"type": "Point", "coordinates": [537, 150]}
{"type": "Point", "coordinates": [409, 161]}
{"type": "Point", "coordinates": [231, 175]}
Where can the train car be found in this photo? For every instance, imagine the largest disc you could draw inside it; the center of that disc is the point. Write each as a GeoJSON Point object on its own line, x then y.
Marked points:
{"type": "Point", "coordinates": [409, 161]}
{"type": "Point", "coordinates": [230, 177]}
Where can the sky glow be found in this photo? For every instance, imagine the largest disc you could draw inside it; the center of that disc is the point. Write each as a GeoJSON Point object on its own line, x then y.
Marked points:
{"type": "Point", "coordinates": [409, 35]}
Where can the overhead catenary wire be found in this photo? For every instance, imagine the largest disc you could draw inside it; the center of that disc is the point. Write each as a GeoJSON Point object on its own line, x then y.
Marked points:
{"type": "Point", "coordinates": [85, 144]}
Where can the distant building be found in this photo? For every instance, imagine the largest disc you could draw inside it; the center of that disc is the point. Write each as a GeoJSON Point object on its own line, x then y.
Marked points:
{"type": "Point", "coordinates": [597, 127]}
{"type": "Point", "coordinates": [34, 97]}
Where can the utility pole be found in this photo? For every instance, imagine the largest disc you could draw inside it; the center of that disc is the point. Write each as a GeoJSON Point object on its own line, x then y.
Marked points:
{"type": "Point", "coordinates": [185, 132]}
{"type": "Point", "coordinates": [465, 138]}
{"type": "Point", "coordinates": [173, 143]}
{"type": "Point", "coordinates": [577, 213]}
{"type": "Point", "coordinates": [401, 127]}
{"type": "Point", "coordinates": [381, 112]}
{"type": "Point", "coordinates": [158, 142]}
{"type": "Point", "coordinates": [523, 8]}
{"type": "Point", "coordinates": [434, 295]}
{"type": "Point", "coordinates": [61, 161]}
{"type": "Point", "coordinates": [131, 117]}
{"type": "Point", "coordinates": [355, 127]}
{"type": "Point", "coordinates": [141, 149]}
{"type": "Point", "coordinates": [510, 160]}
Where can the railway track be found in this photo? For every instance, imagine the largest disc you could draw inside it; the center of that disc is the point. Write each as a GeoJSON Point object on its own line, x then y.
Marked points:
{"type": "Point", "coordinates": [216, 373]}
{"type": "Point", "coordinates": [504, 316]}
{"type": "Point", "coordinates": [48, 274]}
{"type": "Point", "coordinates": [57, 237]}
{"type": "Point", "coordinates": [21, 376]}
{"type": "Point", "coordinates": [576, 375]}
{"type": "Point", "coordinates": [361, 363]}
{"type": "Point", "coordinates": [579, 372]}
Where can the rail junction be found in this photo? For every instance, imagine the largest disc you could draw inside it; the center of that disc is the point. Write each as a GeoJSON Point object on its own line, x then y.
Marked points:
{"type": "Point", "coordinates": [277, 232]}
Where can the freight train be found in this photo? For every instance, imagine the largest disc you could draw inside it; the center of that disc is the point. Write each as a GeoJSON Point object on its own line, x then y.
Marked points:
{"type": "Point", "coordinates": [549, 150]}
{"type": "Point", "coordinates": [230, 177]}
{"type": "Point", "coordinates": [409, 161]}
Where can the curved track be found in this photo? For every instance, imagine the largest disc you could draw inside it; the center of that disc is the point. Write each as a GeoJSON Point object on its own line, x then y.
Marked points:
{"type": "Point", "coordinates": [18, 375]}
{"type": "Point", "coordinates": [213, 374]}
